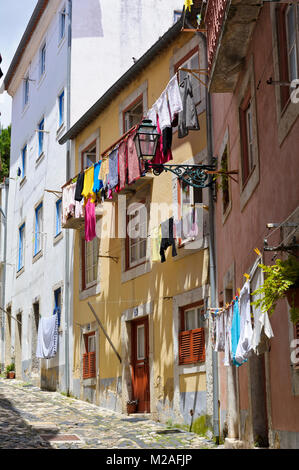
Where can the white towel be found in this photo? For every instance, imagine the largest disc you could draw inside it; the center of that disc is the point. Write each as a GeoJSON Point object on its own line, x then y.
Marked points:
{"type": "Point", "coordinates": [163, 111]}
{"type": "Point", "coordinates": [245, 346]}
{"type": "Point", "coordinates": [47, 337]}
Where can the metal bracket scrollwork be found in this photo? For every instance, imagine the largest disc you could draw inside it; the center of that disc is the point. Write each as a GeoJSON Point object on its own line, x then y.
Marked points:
{"type": "Point", "coordinates": [193, 175]}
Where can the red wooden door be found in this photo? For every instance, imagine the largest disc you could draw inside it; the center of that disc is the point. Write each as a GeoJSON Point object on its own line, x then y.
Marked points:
{"type": "Point", "coordinates": [140, 365]}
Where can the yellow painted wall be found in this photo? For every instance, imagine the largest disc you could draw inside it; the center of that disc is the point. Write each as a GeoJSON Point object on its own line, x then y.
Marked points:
{"type": "Point", "coordinates": [165, 279]}
{"type": "Point", "coordinates": [193, 382]}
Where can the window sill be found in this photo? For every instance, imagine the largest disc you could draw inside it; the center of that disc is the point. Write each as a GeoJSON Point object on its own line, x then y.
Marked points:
{"type": "Point", "coordinates": [20, 272]}
{"type": "Point", "coordinates": [249, 187]}
{"type": "Point", "coordinates": [57, 238]}
{"type": "Point", "coordinates": [193, 368]}
{"type": "Point", "coordinates": [22, 182]}
{"type": "Point", "coordinates": [90, 382]}
{"type": "Point", "coordinates": [90, 291]}
{"type": "Point", "coordinates": [137, 271]}
{"type": "Point", "coordinates": [37, 256]}
{"type": "Point", "coordinates": [39, 159]}
{"type": "Point", "coordinates": [190, 247]}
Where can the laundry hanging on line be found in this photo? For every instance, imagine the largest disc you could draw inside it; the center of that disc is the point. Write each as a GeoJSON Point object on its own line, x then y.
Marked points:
{"type": "Point", "coordinates": [47, 337]}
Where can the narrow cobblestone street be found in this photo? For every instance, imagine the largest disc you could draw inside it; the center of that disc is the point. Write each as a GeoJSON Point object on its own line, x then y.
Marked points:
{"type": "Point", "coordinates": [34, 419]}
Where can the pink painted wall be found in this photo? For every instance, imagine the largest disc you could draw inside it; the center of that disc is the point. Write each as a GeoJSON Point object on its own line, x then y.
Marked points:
{"type": "Point", "coordinates": [274, 199]}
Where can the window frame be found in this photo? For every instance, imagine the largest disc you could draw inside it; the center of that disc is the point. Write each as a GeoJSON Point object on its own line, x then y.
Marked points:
{"type": "Point", "coordinates": [137, 101]}
{"type": "Point", "coordinates": [84, 152]}
{"type": "Point", "coordinates": [26, 84]}
{"type": "Point", "coordinates": [191, 335]}
{"type": "Point", "coordinates": [41, 129]}
{"type": "Point", "coordinates": [140, 261]}
{"type": "Point", "coordinates": [183, 62]}
{"type": "Point", "coordinates": [61, 109]}
{"type": "Point", "coordinates": [247, 163]}
{"type": "Point", "coordinates": [184, 241]}
{"type": "Point", "coordinates": [58, 217]}
{"type": "Point", "coordinates": [21, 247]}
{"type": "Point", "coordinates": [24, 161]}
{"type": "Point", "coordinates": [42, 60]}
{"type": "Point", "coordinates": [38, 227]}
{"type": "Point", "coordinates": [296, 39]}
{"type": "Point", "coordinates": [62, 24]}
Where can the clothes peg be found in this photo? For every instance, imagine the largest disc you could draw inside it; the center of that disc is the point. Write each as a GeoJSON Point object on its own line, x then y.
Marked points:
{"type": "Point", "coordinates": [257, 252]}
{"type": "Point", "coordinates": [247, 276]}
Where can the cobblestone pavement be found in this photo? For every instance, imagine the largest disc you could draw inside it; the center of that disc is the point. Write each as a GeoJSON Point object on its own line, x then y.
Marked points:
{"type": "Point", "coordinates": [34, 419]}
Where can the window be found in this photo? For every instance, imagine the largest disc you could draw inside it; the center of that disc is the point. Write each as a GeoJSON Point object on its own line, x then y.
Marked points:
{"type": "Point", "coordinates": [288, 47]}
{"type": "Point", "coordinates": [225, 181]}
{"type": "Point", "coordinates": [21, 247]}
{"type": "Point", "coordinates": [89, 263]}
{"type": "Point", "coordinates": [58, 206]}
{"type": "Point", "coordinates": [176, 15]}
{"type": "Point", "coordinates": [61, 108]}
{"type": "Point", "coordinates": [133, 114]}
{"type": "Point", "coordinates": [42, 61]}
{"type": "Point", "coordinates": [136, 247]}
{"type": "Point", "coordinates": [24, 158]}
{"type": "Point", "coordinates": [89, 357]}
{"type": "Point", "coordinates": [89, 156]}
{"type": "Point", "coordinates": [26, 90]}
{"type": "Point", "coordinates": [246, 138]}
{"type": "Point", "coordinates": [57, 303]}
{"type": "Point", "coordinates": [188, 196]}
{"type": "Point", "coordinates": [191, 336]}
{"type": "Point", "coordinates": [38, 229]}
{"type": "Point", "coordinates": [41, 137]}
{"type": "Point", "coordinates": [62, 17]}
{"type": "Point", "coordinates": [191, 62]}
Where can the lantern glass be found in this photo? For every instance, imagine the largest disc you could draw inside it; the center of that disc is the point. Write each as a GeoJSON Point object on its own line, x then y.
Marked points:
{"type": "Point", "coordinates": [146, 140]}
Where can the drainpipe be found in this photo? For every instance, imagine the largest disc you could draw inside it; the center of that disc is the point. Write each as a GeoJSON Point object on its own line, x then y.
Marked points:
{"type": "Point", "coordinates": [4, 267]}
{"type": "Point", "coordinates": [67, 236]}
{"type": "Point", "coordinates": [212, 254]}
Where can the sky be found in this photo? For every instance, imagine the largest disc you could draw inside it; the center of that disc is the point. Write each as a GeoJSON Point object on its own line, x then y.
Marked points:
{"type": "Point", "coordinates": [14, 17]}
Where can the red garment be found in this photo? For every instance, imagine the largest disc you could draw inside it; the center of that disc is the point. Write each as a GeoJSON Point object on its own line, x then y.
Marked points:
{"type": "Point", "coordinates": [122, 165]}
{"type": "Point", "coordinates": [90, 221]}
{"type": "Point", "coordinates": [160, 157]}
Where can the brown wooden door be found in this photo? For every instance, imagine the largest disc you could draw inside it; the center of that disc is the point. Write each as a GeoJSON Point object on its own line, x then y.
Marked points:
{"type": "Point", "coordinates": [140, 365]}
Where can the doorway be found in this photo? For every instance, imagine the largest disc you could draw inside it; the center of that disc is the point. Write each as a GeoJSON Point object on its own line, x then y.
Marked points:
{"type": "Point", "coordinates": [140, 364]}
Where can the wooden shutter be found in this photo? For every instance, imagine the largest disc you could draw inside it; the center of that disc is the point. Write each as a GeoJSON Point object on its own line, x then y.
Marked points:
{"type": "Point", "coordinates": [89, 365]}
{"type": "Point", "coordinates": [192, 346]}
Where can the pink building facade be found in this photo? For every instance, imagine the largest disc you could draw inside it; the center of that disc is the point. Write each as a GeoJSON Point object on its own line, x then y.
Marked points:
{"type": "Point", "coordinates": [253, 60]}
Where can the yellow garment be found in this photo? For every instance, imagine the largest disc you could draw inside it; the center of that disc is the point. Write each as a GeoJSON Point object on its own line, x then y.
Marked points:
{"type": "Point", "coordinates": [104, 170]}
{"type": "Point", "coordinates": [156, 237]}
{"type": "Point", "coordinates": [188, 4]}
{"type": "Point", "coordinates": [88, 185]}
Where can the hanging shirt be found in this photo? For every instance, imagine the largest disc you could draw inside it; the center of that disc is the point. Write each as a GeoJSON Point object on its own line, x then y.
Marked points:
{"type": "Point", "coordinates": [187, 119]}
{"type": "Point", "coordinates": [133, 161]}
{"type": "Point", "coordinates": [174, 98]}
{"type": "Point", "coordinates": [235, 330]}
{"type": "Point", "coordinates": [228, 339]}
{"type": "Point", "coordinates": [88, 185]}
{"type": "Point", "coordinates": [122, 165]}
{"type": "Point", "coordinates": [90, 221]}
{"type": "Point", "coordinates": [156, 238]}
{"type": "Point", "coordinates": [245, 341]}
{"type": "Point", "coordinates": [167, 239]}
{"type": "Point", "coordinates": [160, 157]}
{"type": "Point", "coordinates": [162, 108]}
{"type": "Point", "coordinates": [113, 169]}
{"type": "Point", "coordinates": [79, 187]}
{"type": "Point", "coordinates": [152, 115]}
{"type": "Point", "coordinates": [97, 183]}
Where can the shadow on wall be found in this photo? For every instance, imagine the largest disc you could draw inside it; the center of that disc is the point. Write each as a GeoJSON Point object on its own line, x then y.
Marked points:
{"type": "Point", "coordinates": [91, 19]}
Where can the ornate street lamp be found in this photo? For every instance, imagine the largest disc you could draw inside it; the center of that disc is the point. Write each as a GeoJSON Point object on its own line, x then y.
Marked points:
{"type": "Point", "coordinates": [146, 142]}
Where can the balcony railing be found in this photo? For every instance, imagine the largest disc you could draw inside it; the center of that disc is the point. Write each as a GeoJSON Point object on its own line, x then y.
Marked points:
{"type": "Point", "coordinates": [214, 18]}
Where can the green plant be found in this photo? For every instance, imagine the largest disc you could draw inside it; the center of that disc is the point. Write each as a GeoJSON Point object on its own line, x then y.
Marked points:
{"type": "Point", "coordinates": [10, 367]}
{"type": "Point", "coordinates": [280, 277]}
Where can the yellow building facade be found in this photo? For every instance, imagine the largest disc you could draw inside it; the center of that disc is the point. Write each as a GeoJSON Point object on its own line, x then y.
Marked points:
{"type": "Point", "coordinates": [143, 307]}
